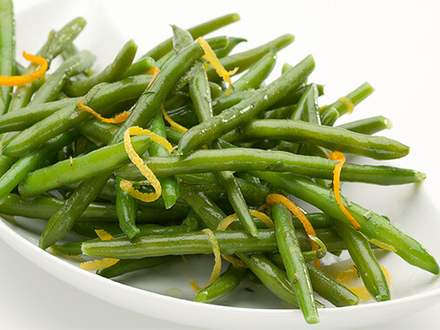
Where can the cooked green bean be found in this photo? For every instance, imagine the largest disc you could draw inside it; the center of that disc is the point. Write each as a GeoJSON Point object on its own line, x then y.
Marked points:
{"type": "Point", "coordinates": [257, 73]}
{"type": "Point", "coordinates": [373, 226]}
{"type": "Point", "coordinates": [226, 283]}
{"type": "Point", "coordinates": [7, 49]}
{"type": "Point", "coordinates": [113, 72]}
{"type": "Point", "coordinates": [369, 125]}
{"type": "Point", "coordinates": [366, 262]}
{"type": "Point", "coordinates": [53, 85]}
{"type": "Point", "coordinates": [126, 208]}
{"type": "Point", "coordinates": [128, 266]}
{"type": "Point", "coordinates": [296, 268]}
{"type": "Point", "coordinates": [140, 67]}
{"type": "Point", "coordinates": [330, 137]}
{"type": "Point", "coordinates": [196, 31]}
{"type": "Point", "coordinates": [210, 130]}
{"type": "Point", "coordinates": [226, 50]}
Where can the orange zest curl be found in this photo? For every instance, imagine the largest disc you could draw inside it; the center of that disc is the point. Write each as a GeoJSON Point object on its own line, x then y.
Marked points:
{"type": "Point", "coordinates": [154, 71]}
{"type": "Point", "coordinates": [98, 264]}
{"type": "Point", "coordinates": [126, 185]}
{"type": "Point", "coordinates": [216, 270]}
{"type": "Point", "coordinates": [340, 160]}
{"type": "Point", "coordinates": [174, 125]}
{"type": "Point", "coordinates": [226, 222]}
{"type": "Point", "coordinates": [30, 77]}
{"type": "Point", "coordinates": [117, 119]}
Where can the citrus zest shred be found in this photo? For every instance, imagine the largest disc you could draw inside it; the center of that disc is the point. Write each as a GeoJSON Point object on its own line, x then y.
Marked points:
{"type": "Point", "coordinates": [103, 235]}
{"type": "Point", "coordinates": [126, 185]}
{"type": "Point", "coordinates": [299, 214]}
{"type": "Point", "coordinates": [195, 286]}
{"type": "Point", "coordinates": [98, 264]}
{"type": "Point", "coordinates": [226, 222]}
{"type": "Point", "coordinates": [348, 104]}
{"type": "Point", "coordinates": [382, 245]}
{"type": "Point", "coordinates": [340, 160]}
{"type": "Point", "coordinates": [27, 78]}
{"type": "Point", "coordinates": [212, 59]}
{"type": "Point", "coordinates": [215, 274]}
{"type": "Point", "coordinates": [154, 71]}
{"type": "Point", "coordinates": [117, 119]}
{"type": "Point", "coordinates": [235, 262]}
{"type": "Point", "coordinates": [176, 126]}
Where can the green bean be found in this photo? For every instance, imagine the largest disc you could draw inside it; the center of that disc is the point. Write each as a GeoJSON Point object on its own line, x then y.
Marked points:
{"type": "Point", "coordinates": [271, 276]}
{"type": "Point", "coordinates": [141, 66]}
{"type": "Point", "coordinates": [90, 164]}
{"type": "Point", "coordinates": [23, 166]}
{"type": "Point", "coordinates": [204, 208]}
{"type": "Point", "coordinates": [355, 97]}
{"type": "Point", "coordinates": [329, 117]}
{"type": "Point", "coordinates": [232, 43]}
{"type": "Point", "coordinates": [245, 59]}
{"type": "Point", "coordinates": [52, 87]}
{"type": "Point", "coordinates": [128, 266]}
{"type": "Point", "coordinates": [7, 49]}
{"type": "Point", "coordinates": [257, 73]}
{"type": "Point", "coordinates": [369, 125]}
{"type": "Point", "coordinates": [169, 184]}
{"type": "Point", "coordinates": [373, 226]}
{"type": "Point", "coordinates": [215, 89]}
{"type": "Point", "coordinates": [113, 72]}
{"type": "Point", "coordinates": [209, 131]}
{"type": "Point", "coordinates": [376, 147]}
{"type": "Point", "coordinates": [230, 242]}
{"type": "Point", "coordinates": [225, 284]}
{"type": "Point", "coordinates": [280, 113]}
{"type": "Point", "coordinates": [196, 31]}
{"type": "Point", "coordinates": [19, 120]}
{"type": "Point", "coordinates": [200, 93]}
{"type": "Point", "coordinates": [55, 44]}
{"type": "Point", "coordinates": [126, 208]}
{"type": "Point", "coordinates": [97, 132]}
{"type": "Point", "coordinates": [365, 261]}
{"type": "Point", "coordinates": [45, 207]}
{"type": "Point", "coordinates": [99, 98]}
{"type": "Point", "coordinates": [296, 268]}
{"type": "Point", "coordinates": [172, 135]}
{"type": "Point", "coordinates": [246, 159]}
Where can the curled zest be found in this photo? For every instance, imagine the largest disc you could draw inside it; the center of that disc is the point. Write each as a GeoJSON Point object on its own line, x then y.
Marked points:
{"type": "Point", "coordinates": [98, 264]}
{"type": "Point", "coordinates": [297, 212]}
{"type": "Point", "coordinates": [226, 222]}
{"type": "Point", "coordinates": [215, 274]}
{"type": "Point", "coordinates": [126, 185]}
{"type": "Point", "coordinates": [212, 59]}
{"type": "Point", "coordinates": [117, 119]}
{"type": "Point", "coordinates": [174, 125]}
{"type": "Point", "coordinates": [154, 71]}
{"type": "Point", "coordinates": [103, 235]}
{"type": "Point", "coordinates": [235, 262]}
{"type": "Point", "coordinates": [340, 160]}
{"type": "Point", "coordinates": [348, 104]}
{"type": "Point", "coordinates": [27, 78]}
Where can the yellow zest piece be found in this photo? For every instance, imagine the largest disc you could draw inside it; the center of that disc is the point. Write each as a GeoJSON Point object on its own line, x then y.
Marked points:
{"type": "Point", "coordinates": [98, 264]}
{"type": "Point", "coordinates": [212, 59]}
{"type": "Point", "coordinates": [226, 222]}
{"type": "Point", "coordinates": [103, 235]}
{"type": "Point", "coordinates": [217, 256]}
{"type": "Point", "coordinates": [174, 125]}
{"type": "Point", "coordinates": [154, 71]}
{"type": "Point", "coordinates": [27, 78]}
{"type": "Point", "coordinates": [348, 104]}
{"type": "Point", "coordinates": [195, 286]}
{"type": "Point", "coordinates": [340, 159]}
{"type": "Point", "coordinates": [361, 292]}
{"type": "Point", "coordinates": [117, 119]}
{"type": "Point", "coordinates": [237, 263]}
{"type": "Point", "coordinates": [382, 245]}
{"type": "Point", "coordinates": [126, 185]}
{"type": "Point", "coordinates": [347, 275]}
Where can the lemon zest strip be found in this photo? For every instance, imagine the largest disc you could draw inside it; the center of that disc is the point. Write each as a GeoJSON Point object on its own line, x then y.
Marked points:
{"type": "Point", "coordinates": [117, 119]}
{"type": "Point", "coordinates": [103, 235]}
{"type": "Point", "coordinates": [340, 161]}
{"type": "Point", "coordinates": [27, 78]}
{"type": "Point", "coordinates": [215, 274]}
{"type": "Point", "coordinates": [175, 125]}
{"type": "Point", "coordinates": [98, 264]}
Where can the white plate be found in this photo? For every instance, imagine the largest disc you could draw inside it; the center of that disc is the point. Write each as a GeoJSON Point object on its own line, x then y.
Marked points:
{"type": "Point", "coordinates": [150, 292]}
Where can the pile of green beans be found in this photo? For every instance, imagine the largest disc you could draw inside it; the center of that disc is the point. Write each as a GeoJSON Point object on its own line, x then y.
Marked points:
{"type": "Point", "coordinates": [239, 143]}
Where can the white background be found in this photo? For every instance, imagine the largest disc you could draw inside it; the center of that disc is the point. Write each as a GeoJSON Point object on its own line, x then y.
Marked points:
{"type": "Point", "coordinates": [391, 44]}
